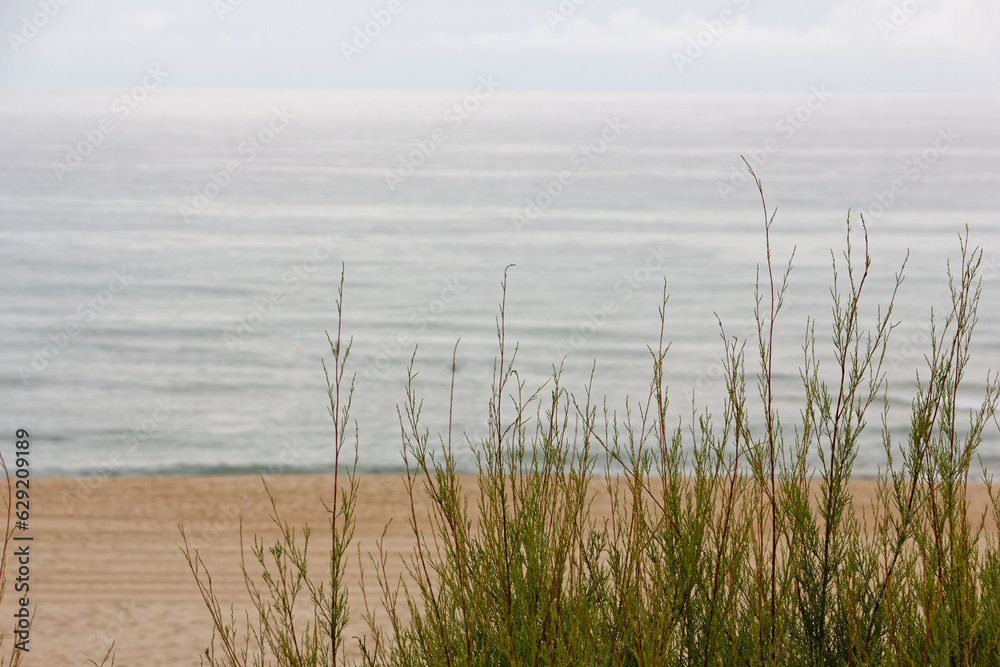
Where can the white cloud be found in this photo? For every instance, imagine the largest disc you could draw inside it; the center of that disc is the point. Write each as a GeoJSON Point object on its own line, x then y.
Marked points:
{"type": "Point", "coordinates": [625, 32]}
{"type": "Point", "coordinates": [957, 25]}
{"type": "Point", "coordinates": [961, 25]}
{"type": "Point", "coordinates": [939, 45]}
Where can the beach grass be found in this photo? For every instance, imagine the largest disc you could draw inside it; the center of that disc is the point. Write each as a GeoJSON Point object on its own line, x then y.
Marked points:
{"type": "Point", "coordinates": [725, 543]}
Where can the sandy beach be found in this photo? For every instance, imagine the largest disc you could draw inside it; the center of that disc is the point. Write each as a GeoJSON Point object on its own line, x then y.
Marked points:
{"type": "Point", "coordinates": [106, 564]}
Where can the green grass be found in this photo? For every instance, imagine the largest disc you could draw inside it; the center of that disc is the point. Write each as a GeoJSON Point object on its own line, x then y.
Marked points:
{"type": "Point", "coordinates": [725, 545]}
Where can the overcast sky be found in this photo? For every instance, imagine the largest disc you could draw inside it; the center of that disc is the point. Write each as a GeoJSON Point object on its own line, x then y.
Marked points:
{"type": "Point", "coordinates": [922, 46]}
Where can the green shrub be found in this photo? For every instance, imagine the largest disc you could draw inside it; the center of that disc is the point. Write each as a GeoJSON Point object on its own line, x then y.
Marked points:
{"type": "Point", "coordinates": [724, 544]}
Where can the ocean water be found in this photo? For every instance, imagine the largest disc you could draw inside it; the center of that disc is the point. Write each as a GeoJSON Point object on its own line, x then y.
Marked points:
{"type": "Point", "coordinates": [170, 264]}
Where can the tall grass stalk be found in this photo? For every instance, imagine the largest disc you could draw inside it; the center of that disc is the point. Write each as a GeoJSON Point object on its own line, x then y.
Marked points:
{"type": "Point", "coordinates": [276, 633]}
{"type": "Point", "coordinates": [729, 541]}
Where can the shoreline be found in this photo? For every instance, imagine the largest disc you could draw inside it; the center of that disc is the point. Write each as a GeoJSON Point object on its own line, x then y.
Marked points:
{"type": "Point", "coordinates": [109, 567]}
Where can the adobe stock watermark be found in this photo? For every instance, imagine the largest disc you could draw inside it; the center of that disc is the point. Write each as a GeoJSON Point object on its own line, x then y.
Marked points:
{"type": "Point", "coordinates": [365, 34]}
{"type": "Point", "coordinates": [228, 513]}
{"type": "Point", "coordinates": [121, 108]}
{"type": "Point", "coordinates": [31, 26]}
{"type": "Point", "coordinates": [86, 311]}
{"type": "Point", "coordinates": [563, 12]}
{"type": "Point", "coordinates": [785, 127]}
{"type": "Point", "coordinates": [705, 38]}
{"type": "Point", "coordinates": [454, 117]}
{"type": "Point", "coordinates": [992, 268]}
{"type": "Point", "coordinates": [264, 307]}
{"type": "Point", "coordinates": [707, 377]}
{"type": "Point", "coordinates": [223, 7]}
{"type": "Point", "coordinates": [910, 348]}
{"type": "Point", "coordinates": [913, 170]}
{"type": "Point", "coordinates": [625, 289]}
{"type": "Point", "coordinates": [899, 16]}
{"type": "Point", "coordinates": [418, 320]}
{"type": "Point", "coordinates": [101, 641]}
{"type": "Point", "coordinates": [917, 344]}
{"type": "Point", "coordinates": [129, 442]}
{"type": "Point", "coordinates": [247, 150]}
{"type": "Point", "coordinates": [581, 158]}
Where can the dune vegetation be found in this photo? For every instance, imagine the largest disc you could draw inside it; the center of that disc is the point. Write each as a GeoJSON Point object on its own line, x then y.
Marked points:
{"type": "Point", "coordinates": [725, 543]}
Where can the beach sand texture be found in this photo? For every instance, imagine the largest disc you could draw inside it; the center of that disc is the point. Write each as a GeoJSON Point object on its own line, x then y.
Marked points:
{"type": "Point", "coordinates": [106, 564]}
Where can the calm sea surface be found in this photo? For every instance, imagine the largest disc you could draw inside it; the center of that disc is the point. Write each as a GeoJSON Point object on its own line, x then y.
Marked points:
{"type": "Point", "coordinates": [168, 270]}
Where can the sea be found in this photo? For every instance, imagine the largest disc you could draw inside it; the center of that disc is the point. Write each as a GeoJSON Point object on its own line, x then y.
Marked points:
{"type": "Point", "coordinates": [171, 261]}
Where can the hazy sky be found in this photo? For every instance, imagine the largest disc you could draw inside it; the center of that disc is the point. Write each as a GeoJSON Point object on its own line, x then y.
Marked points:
{"type": "Point", "coordinates": [930, 46]}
